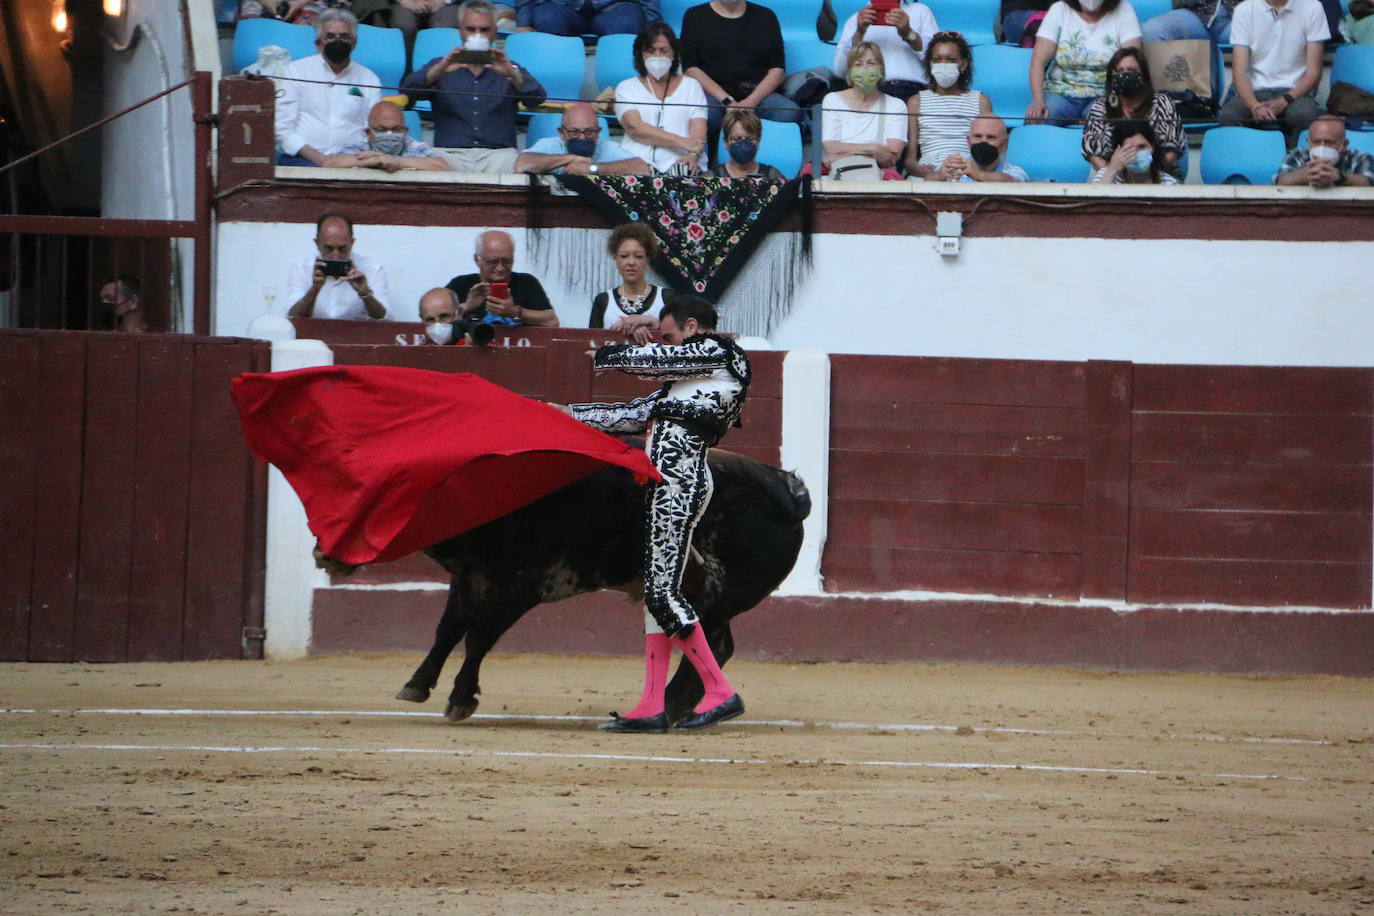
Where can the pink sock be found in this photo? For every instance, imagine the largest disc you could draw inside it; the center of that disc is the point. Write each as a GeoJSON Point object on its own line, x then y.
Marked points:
{"type": "Point", "coordinates": [658, 650]}
{"type": "Point", "coordinates": [718, 689]}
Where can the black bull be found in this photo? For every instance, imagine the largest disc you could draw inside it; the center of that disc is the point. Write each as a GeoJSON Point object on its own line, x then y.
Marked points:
{"type": "Point", "coordinates": [589, 536]}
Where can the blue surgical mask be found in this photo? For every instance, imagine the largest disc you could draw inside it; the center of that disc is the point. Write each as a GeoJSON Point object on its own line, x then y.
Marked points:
{"type": "Point", "coordinates": [743, 151]}
{"type": "Point", "coordinates": [584, 148]}
{"type": "Point", "coordinates": [1142, 161]}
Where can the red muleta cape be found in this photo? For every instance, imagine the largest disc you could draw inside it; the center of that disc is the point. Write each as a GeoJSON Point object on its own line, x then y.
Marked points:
{"type": "Point", "coordinates": [389, 460]}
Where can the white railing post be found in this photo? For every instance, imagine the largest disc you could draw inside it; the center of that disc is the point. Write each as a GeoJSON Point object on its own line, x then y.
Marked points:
{"type": "Point", "coordinates": [806, 450]}
{"type": "Point", "coordinates": [291, 574]}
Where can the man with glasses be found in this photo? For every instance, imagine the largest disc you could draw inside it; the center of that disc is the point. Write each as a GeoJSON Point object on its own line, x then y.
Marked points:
{"type": "Point", "coordinates": [579, 149]}
{"type": "Point", "coordinates": [475, 90]}
{"type": "Point", "coordinates": [325, 98]}
{"type": "Point", "coordinates": [389, 146]}
{"type": "Point", "coordinates": [496, 293]}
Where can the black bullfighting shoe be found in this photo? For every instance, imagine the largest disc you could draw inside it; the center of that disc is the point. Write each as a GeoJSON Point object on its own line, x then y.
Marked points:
{"type": "Point", "coordinates": [728, 710]}
{"type": "Point", "coordinates": [649, 725]}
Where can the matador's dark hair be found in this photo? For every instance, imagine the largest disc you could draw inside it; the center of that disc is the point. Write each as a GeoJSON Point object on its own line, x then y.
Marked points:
{"type": "Point", "coordinates": [684, 307]}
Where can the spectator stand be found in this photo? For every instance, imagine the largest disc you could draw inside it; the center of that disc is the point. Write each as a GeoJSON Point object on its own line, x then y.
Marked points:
{"type": "Point", "coordinates": [615, 61]}
{"type": "Point", "coordinates": [1241, 155]}
{"type": "Point", "coordinates": [559, 63]}
{"type": "Point", "coordinates": [1001, 72]}
{"type": "Point", "coordinates": [382, 51]}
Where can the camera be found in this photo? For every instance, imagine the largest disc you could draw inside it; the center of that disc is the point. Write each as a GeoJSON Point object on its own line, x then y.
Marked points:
{"type": "Point", "coordinates": [335, 267]}
{"type": "Point", "coordinates": [472, 328]}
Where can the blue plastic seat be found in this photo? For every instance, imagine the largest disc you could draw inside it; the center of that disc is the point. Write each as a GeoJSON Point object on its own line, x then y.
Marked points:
{"type": "Point", "coordinates": [251, 34]}
{"type": "Point", "coordinates": [432, 43]}
{"type": "Point", "coordinates": [672, 11]}
{"type": "Point", "coordinates": [974, 19]}
{"type": "Point", "coordinates": [383, 51]}
{"type": "Point", "coordinates": [1149, 9]}
{"type": "Point", "coordinates": [1362, 140]}
{"type": "Point", "coordinates": [1049, 153]}
{"type": "Point", "coordinates": [615, 60]}
{"type": "Point", "coordinates": [1241, 155]}
{"type": "Point", "coordinates": [1002, 73]}
{"type": "Point", "coordinates": [559, 63]}
{"type": "Point", "coordinates": [797, 18]}
{"type": "Point", "coordinates": [780, 146]}
{"type": "Point", "coordinates": [1354, 64]}
{"type": "Point", "coordinates": [805, 53]}
{"type": "Point", "coordinates": [413, 125]}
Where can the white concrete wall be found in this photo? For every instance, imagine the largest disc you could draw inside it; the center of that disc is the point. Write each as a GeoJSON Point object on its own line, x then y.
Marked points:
{"type": "Point", "coordinates": [1183, 301]}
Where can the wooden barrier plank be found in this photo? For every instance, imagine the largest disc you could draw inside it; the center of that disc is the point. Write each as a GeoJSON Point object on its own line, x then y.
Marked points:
{"type": "Point", "coordinates": [932, 380]}
{"type": "Point", "coordinates": [764, 455]}
{"type": "Point", "coordinates": [1261, 583]}
{"type": "Point", "coordinates": [956, 525]}
{"type": "Point", "coordinates": [567, 373]}
{"type": "Point", "coordinates": [1252, 438]}
{"type": "Point", "coordinates": [964, 428]}
{"type": "Point", "coordinates": [1329, 537]}
{"type": "Point", "coordinates": [220, 480]}
{"type": "Point", "coordinates": [107, 499]}
{"type": "Point", "coordinates": [56, 528]}
{"type": "Point", "coordinates": [413, 568]}
{"type": "Point", "coordinates": [1108, 392]}
{"type": "Point", "coordinates": [520, 369]}
{"type": "Point", "coordinates": [1254, 389]}
{"type": "Point", "coordinates": [887, 569]}
{"type": "Point", "coordinates": [967, 478]}
{"type": "Point", "coordinates": [158, 583]}
{"type": "Point", "coordinates": [1168, 485]}
{"type": "Point", "coordinates": [20, 417]}
{"type": "Point", "coordinates": [761, 425]}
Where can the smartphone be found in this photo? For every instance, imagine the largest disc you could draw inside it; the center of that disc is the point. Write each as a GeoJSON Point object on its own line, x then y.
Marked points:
{"type": "Point", "coordinates": [336, 267]}
{"type": "Point", "coordinates": [881, 7]}
{"type": "Point", "coordinates": [499, 291]}
{"type": "Point", "coordinates": [474, 57]}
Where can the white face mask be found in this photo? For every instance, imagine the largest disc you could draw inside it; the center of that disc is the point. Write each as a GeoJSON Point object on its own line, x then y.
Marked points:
{"type": "Point", "coordinates": [439, 332]}
{"type": "Point", "coordinates": [1090, 6]}
{"type": "Point", "coordinates": [945, 75]}
{"type": "Point", "coordinates": [1325, 153]}
{"type": "Point", "coordinates": [477, 43]}
{"type": "Point", "coordinates": [658, 67]}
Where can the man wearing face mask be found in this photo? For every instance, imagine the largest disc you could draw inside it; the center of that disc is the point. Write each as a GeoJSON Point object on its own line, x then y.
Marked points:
{"type": "Point", "coordinates": [986, 161]}
{"type": "Point", "coordinates": [475, 90]}
{"type": "Point", "coordinates": [325, 98]}
{"type": "Point", "coordinates": [902, 34]}
{"type": "Point", "coordinates": [389, 146]}
{"type": "Point", "coordinates": [1327, 161]}
{"type": "Point", "coordinates": [120, 305]}
{"type": "Point", "coordinates": [439, 308]}
{"type": "Point", "coordinates": [579, 149]}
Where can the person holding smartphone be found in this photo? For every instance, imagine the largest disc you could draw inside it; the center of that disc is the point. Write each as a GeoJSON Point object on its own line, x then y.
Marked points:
{"type": "Point", "coordinates": [337, 282]}
{"type": "Point", "coordinates": [499, 294]}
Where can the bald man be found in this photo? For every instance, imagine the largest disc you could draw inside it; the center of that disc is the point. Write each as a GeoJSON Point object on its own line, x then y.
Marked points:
{"type": "Point", "coordinates": [439, 308]}
{"type": "Point", "coordinates": [388, 147]}
{"type": "Point", "coordinates": [580, 149]}
{"type": "Point", "coordinates": [497, 294]}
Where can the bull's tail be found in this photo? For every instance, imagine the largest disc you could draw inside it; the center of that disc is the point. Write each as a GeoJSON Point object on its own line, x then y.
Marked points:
{"type": "Point", "coordinates": [784, 491]}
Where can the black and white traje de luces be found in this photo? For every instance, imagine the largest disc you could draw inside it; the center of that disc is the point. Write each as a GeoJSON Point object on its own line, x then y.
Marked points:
{"type": "Point", "coordinates": [707, 381]}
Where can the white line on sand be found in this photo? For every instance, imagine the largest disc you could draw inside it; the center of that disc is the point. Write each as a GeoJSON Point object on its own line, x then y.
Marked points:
{"type": "Point", "coordinates": [770, 723]}
{"type": "Point", "coordinates": [630, 758]}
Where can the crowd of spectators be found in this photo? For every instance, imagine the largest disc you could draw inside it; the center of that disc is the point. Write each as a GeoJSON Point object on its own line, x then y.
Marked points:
{"type": "Point", "coordinates": [906, 106]}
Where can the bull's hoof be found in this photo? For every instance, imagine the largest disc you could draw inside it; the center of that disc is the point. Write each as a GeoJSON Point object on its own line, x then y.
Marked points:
{"type": "Point", "coordinates": [413, 694]}
{"type": "Point", "coordinates": [457, 712]}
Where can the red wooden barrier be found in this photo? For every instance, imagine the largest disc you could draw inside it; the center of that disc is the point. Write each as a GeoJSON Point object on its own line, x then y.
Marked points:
{"type": "Point", "coordinates": [1235, 485]}
{"type": "Point", "coordinates": [133, 514]}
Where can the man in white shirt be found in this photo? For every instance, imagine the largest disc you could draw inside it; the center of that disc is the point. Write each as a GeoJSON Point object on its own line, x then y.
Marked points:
{"type": "Point", "coordinates": [336, 282]}
{"type": "Point", "coordinates": [902, 35]}
{"type": "Point", "coordinates": [325, 97]}
{"type": "Point", "coordinates": [1276, 63]}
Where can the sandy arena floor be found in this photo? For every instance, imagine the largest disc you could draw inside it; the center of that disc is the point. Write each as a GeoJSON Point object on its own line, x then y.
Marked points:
{"type": "Point", "coordinates": [846, 788]}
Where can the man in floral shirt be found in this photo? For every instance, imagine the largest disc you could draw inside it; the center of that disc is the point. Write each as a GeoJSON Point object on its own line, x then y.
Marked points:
{"type": "Point", "coordinates": [1327, 160]}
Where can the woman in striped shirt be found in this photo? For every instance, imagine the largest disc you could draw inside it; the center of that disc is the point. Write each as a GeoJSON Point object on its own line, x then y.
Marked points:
{"type": "Point", "coordinates": [938, 118]}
